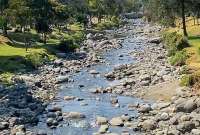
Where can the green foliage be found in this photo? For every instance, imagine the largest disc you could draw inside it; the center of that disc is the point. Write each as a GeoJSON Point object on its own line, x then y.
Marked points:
{"type": "Point", "coordinates": [179, 58]}
{"type": "Point", "coordinates": [68, 45]}
{"type": "Point", "coordinates": [186, 80]}
{"type": "Point", "coordinates": [6, 78]}
{"type": "Point", "coordinates": [174, 42]}
{"type": "Point", "coordinates": [37, 59]}
{"type": "Point", "coordinates": [13, 64]}
{"type": "Point", "coordinates": [109, 24]}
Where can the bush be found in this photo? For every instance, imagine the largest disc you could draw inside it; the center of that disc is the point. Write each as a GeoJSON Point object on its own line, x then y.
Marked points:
{"type": "Point", "coordinates": [186, 80]}
{"type": "Point", "coordinates": [191, 80]}
{"type": "Point", "coordinates": [179, 58]}
{"type": "Point", "coordinates": [37, 59]}
{"type": "Point", "coordinates": [109, 24]}
{"type": "Point", "coordinates": [68, 45]}
{"type": "Point", "coordinates": [174, 42]}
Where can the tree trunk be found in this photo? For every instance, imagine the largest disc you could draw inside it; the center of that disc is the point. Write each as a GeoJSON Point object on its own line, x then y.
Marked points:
{"type": "Point", "coordinates": [5, 33]}
{"type": "Point", "coordinates": [45, 38]}
{"type": "Point", "coordinates": [183, 18]}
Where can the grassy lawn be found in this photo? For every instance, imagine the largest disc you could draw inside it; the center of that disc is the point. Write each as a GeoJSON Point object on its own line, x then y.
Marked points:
{"type": "Point", "coordinates": [13, 51]}
{"type": "Point", "coordinates": [193, 61]}
{"type": "Point", "coordinates": [194, 51]}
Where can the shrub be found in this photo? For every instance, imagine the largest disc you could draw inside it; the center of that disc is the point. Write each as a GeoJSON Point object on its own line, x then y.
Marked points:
{"type": "Point", "coordinates": [186, 80]}
{"type": "Point", "coordinates": [68, 45]}
{"type": "Point", "coordinates": [78, 37]}
{"type": "Point", "coordinates": [174, 42]}
{"type": "Point", "coordinates": [37, 59]}
{"type": "Point", "coordinates": [179, 58]}
{"type": "Point", "coordinates": [191, 80]}
{"type": "Point", "coordinates": [109, 24]}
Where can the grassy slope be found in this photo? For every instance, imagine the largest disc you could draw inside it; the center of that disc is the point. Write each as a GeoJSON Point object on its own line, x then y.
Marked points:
{"type": "Point", "coordinates": [193, 61]}
{"type": "Point", "coordinates": [12, 56]}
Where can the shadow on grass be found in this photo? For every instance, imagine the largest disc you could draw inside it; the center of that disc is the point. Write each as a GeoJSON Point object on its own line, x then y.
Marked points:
{"type": "Point", "coordinates": [194, 37]}
{"type": "Point", "coordinates": [14, 64]}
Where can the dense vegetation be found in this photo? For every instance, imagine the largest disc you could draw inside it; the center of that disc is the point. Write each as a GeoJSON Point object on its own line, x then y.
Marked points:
{"type": "Point", "coordinates": [183, 47]}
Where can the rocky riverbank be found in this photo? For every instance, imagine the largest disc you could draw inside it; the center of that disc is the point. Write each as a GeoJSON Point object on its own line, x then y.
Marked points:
{"type": "Point", "coordinates": [177, 116]}
{"type": "Point", "coordinates": [150, 70]}
{"type": "Point", "coordinates": [20, 104]}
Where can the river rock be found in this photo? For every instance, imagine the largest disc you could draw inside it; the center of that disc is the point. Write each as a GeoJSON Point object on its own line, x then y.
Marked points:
{"type": "Point", "coordinates": [190, 105]}
{"type": "Point", "coordinates": [195, 131]}
{"type": "Point", "coordinates": [164, 116]}
{"type": "Point", "coordinates": [4, 125]}
{"type": "Point", "coordinates": [101, 120]}
{"type": "Point", "coordinates": [20, 129]}
{"type": "Point", "coordinates": [159, 106]}
{"type": "Point", "coordinates": [55, 109]}
{"type": "Point", "coordinates": [114, 100]}
{"type": "Point", "coordinates": [62, 79]}
{"type": "Point", "coordinates": [94, 72]}
{"type": "Point", "coordinates": [145, 108]}
{"type": "Point", "coordinates": [186, 126]}
{"type": "Point", "coordinates": [117, 121]}
{"type": "Point", "coordinates": [41, 132]}
{"type": "Point", "coordinates": [156, 40]}
{"type": "Point", "coordinates": [51, 115]}
{"type": "Point", "coordinates": [73, 115]}
{"type": "Point", "coordinates": [148, 125]}
{"type": "Point", "coordinates": [20, 133]}
{"type": "Point", "coordinates": [67, 98]}
{"type": "Point", "coordinates": [50, 121]}
{"type": "Point", "coordinates": [126, 117]}
{"type": "Point", "coordinates": [103, 129]}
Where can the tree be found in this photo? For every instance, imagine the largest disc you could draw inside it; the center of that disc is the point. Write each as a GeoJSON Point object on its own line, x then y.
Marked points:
{"type": "Point", "coordinates": [3, 15]}
{"type": "Point", "coordinates": [19, 13]}
{"type": "Point", "coordinates": [167, 10]}
{"type": "Point", "coordinates": [43, 13]}
{"type": "Point", "coordinates": [182, 3]}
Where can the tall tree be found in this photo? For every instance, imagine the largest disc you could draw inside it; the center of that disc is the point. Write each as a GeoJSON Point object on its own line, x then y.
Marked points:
{"type": "Point", "coordinates": [3, 16]}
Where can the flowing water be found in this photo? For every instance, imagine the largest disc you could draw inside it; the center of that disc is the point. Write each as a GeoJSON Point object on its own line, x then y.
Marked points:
{"type": "Point", "coordinates": [97, 104]}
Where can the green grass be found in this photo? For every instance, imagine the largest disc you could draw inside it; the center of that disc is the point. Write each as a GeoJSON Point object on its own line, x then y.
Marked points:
{"type": "Point", "coordinates": [14, 57]}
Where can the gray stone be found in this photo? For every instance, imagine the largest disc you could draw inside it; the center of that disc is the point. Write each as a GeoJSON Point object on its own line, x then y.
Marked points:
{"type": "Point", "coordinates": [195, 131]}
{"type": "Point", "coordinates": [190, 105]}
{"type": "Point", "coordinates": [103, 129]}
{"type": "Point", "coordinates": [62, 79]}
{"type": "Point", "coordinates": [50, 121]}
{"type": "Point", "coordinates": [4, 125]}
{"type": "Point", "coordinates": [73, 115]}
{"type": "Point", "coordinates": [67, 98]}
{"type": "Point", "coordinates": [101, 120]}
{"type": "Point", "coordinates": [145, 108]}
{"type": "Point", "coordinates": [164, 116]}
{"type": "Point", "coordinates": [186, 126]}
{"type": "Point", "coordinates": [149, 125]}
{"type": "Point", "coordinates": [117, 121]}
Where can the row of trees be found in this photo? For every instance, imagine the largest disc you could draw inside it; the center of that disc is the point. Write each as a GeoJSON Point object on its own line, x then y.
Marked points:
{"type": "Point", "coordinates": [166, 11]}
{"type": "Point", "coordinates": [42, 14]}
